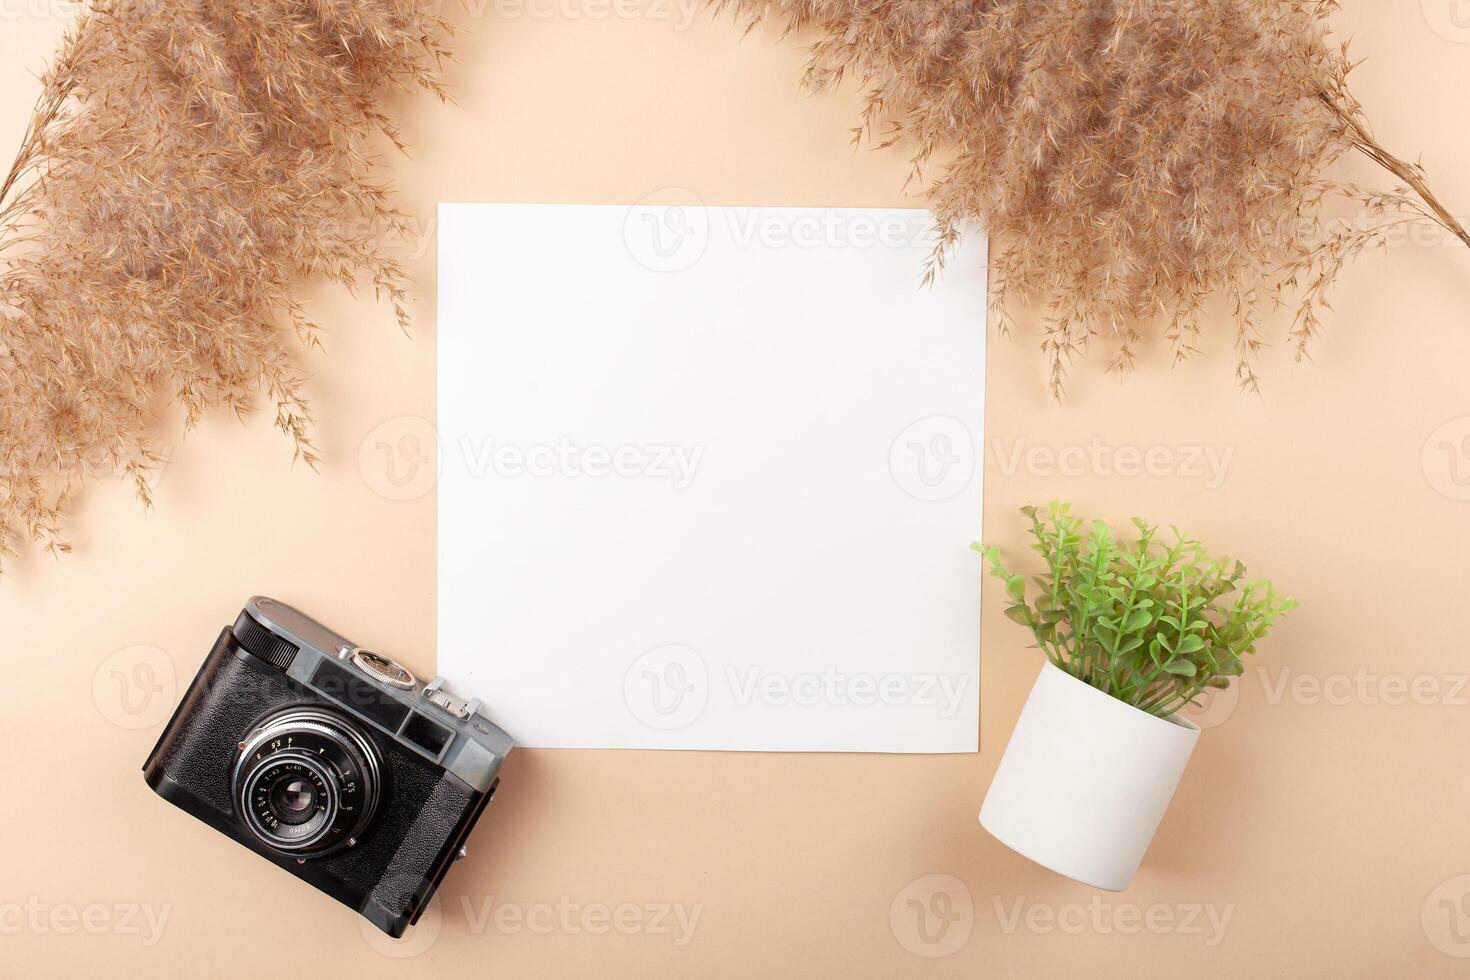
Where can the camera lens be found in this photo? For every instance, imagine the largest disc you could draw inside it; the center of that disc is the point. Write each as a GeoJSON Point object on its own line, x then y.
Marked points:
{"type": "Point", "coordinates": [285, 818]}
{"type": "Point", "coordinates": [307, 782]}
{"type": "Point", "coordinates": [292, 799]}
{"type": "Point", "coordinates": [296, 796]}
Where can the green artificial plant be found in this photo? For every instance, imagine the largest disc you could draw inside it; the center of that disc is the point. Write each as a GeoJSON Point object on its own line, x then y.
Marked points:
{"type": "Point", "coordinates": [1153, 624]}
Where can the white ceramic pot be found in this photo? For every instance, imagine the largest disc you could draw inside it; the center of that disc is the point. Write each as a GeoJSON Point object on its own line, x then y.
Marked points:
{"type": "Point", "coordinates": [1085, 780]}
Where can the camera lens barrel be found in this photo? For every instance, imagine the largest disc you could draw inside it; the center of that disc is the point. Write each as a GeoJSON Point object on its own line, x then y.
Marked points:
{"type": "Point", "coordinates": [307, 782]}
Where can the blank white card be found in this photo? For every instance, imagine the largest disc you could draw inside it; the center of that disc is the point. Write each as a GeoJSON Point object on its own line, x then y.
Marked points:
{"type": "Point", "coordinates": [709, 477]}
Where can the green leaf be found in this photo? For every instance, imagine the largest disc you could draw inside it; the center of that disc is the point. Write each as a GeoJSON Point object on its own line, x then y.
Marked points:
{"type": "Point", "coordinates": [1190, 644]}
{"type": "Point", "coordinates": [1019, 614]}
{"type": "Point", "coordinates": [1182, 668]}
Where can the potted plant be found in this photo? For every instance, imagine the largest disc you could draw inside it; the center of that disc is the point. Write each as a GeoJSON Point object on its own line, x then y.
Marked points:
{"type": "Point", "coordinates": [1133, 630]}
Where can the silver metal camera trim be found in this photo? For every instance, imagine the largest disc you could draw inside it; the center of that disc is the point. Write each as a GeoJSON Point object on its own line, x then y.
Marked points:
{"type": "Point", "coordinates": [360, 660]}
{"type": "Point", "coordinates": [458, 707]}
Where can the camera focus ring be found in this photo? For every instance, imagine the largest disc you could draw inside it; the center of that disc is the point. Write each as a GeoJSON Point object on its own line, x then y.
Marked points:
{"type": "Point", "coordinates": [307, 782]}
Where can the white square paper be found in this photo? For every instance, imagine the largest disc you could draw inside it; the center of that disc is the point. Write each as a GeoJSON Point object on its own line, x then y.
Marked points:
{"type": "Point", "coordinates": [709, 477]}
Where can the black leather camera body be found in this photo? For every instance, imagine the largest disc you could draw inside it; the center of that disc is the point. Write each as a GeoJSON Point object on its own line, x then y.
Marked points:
{"type": "Point", "coordinates": [330, 761]}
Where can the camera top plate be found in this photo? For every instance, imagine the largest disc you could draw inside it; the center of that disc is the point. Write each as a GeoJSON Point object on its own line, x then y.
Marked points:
{"type": "Point", "coordinates": [425, 718]}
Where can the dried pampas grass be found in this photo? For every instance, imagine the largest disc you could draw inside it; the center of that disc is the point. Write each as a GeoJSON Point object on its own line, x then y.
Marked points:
{"type": "Point", "coordinates": [188, 163]}
{"type": "Point", "coordinates": [1130, 159]}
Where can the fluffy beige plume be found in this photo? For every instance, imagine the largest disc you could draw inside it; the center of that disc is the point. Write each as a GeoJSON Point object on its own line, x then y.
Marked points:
{"type": "Point", "coordinates": [1130, 159]}
{"type": "Point", "coordinates": [189, 162]}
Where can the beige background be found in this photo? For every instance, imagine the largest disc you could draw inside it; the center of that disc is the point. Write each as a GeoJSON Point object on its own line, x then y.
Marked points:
{"type": "Point", "coordinates": [1323, 813]}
